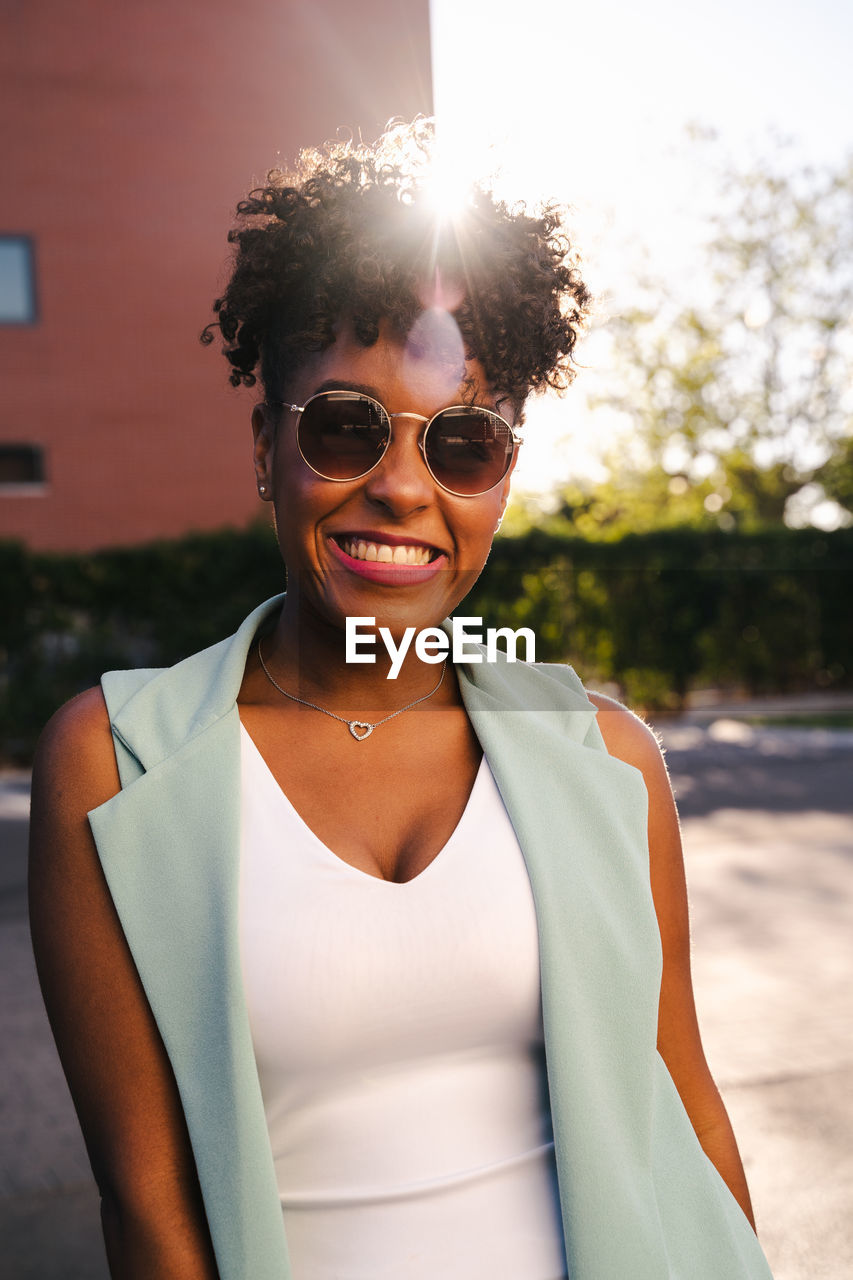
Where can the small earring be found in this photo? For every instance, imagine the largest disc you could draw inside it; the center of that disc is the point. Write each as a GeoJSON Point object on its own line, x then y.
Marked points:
{"type": "Point", "coordinates": [262, 488]}
{"type": "Point", "coordinates": [500, 522]}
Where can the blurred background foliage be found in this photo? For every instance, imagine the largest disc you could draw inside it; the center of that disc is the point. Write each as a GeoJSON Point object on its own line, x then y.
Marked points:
{"type": "Point", "coordinates": [735, 385]}
{"type": "Point", "coordinates": [657, 614]}
{"type": "Point", "coordinates": [716, 551]}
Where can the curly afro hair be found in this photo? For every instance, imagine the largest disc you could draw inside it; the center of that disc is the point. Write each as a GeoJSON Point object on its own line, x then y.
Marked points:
{"type": "Point", "coordinates": [353, 233]}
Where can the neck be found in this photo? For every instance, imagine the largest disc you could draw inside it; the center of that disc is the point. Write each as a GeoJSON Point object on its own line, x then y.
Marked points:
{"type": "Point", "coordinates": [307, 656]}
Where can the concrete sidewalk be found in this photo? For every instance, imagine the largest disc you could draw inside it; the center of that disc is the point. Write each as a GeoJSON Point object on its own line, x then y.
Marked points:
{"type": "Point", "coordinates": [768, 838]}
{"type": "Point", "coordinates": [772, 912]}
{"type": "Point", "coordinates": [768, 831]}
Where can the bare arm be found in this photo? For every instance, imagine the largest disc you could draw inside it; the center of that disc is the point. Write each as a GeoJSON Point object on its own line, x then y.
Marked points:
{"type": "Point", "coordinates": [679, 1041]}
{"type": "Point", "coordinates": [116, 1066]}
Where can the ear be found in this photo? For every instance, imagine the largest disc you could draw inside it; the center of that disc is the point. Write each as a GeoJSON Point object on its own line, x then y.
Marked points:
{"type": "Point", "coordinates": [263, 431]}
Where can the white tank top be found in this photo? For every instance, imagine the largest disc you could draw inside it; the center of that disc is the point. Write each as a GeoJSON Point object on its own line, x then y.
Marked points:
{"type": "Point", "coordinates": [398, 1035]}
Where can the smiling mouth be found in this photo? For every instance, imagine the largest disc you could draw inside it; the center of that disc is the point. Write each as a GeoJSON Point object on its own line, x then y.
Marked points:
{"type": "Point", "coordinates": [415, 555]}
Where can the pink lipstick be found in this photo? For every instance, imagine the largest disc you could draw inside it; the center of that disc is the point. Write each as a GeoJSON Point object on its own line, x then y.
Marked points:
{"type": "Point", "coordinates": [385, 572]}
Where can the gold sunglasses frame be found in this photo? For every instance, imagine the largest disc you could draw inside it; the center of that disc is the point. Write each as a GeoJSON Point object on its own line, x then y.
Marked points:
{"type": "Point", "coordinates": [359, 395]}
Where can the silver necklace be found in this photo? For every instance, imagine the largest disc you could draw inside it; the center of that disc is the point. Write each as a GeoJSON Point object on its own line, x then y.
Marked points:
{"type": "Point", "coordinates": [360, 729]}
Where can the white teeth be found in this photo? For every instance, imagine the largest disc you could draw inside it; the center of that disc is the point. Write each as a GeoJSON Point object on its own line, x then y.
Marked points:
{"type": "Point", "coordinates": [385, 554]}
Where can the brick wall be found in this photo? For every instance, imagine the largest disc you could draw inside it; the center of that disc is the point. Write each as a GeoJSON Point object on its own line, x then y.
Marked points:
{"type": "Point", "coordinates": [130, 132]}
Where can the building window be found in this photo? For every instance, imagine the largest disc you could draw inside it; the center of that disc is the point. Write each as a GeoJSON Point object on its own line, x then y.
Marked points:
{"type": "Point", "coordinates": [21, 467]}
{"type": "Point", "coordinates": [17, 280]}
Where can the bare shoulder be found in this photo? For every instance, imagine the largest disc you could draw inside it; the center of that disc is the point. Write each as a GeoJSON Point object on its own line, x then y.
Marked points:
{"type": "Point", "coordinates": [108, 1041]}
{"type": "Point", "coordinates": [75, 767]}
{"type": "Point", "coordinates": [627, 736]}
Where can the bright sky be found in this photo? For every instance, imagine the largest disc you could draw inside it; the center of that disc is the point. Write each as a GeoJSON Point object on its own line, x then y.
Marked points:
{"type": "Point", "coordinates": [588, 104]}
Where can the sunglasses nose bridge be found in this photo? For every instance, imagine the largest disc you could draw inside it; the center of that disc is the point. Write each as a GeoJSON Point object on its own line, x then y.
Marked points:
{"type": "Point", "coordinates": [404, 437]}
{"type": "Point", "coordinates": [422, 442]}
{"type": "Point", "coordinates": [418, 417]}
{"type": "Point", "coordinates": [401, 480]}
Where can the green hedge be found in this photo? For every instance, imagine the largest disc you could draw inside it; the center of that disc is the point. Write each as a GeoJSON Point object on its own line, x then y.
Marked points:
{"type": "Point", "coordinates": [664, 612]}
{"type": "Point", "coordinates": [657, 613]}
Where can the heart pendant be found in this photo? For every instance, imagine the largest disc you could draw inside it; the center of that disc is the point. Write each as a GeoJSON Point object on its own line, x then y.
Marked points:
{"type": "Point", "coordinates": [360, 729]}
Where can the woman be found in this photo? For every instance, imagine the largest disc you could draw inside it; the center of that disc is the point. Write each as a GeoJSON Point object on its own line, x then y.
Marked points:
{"type": "Point", "coordinates": [361, 977]}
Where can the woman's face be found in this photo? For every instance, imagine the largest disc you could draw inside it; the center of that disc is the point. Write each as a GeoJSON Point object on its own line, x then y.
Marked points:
{"type": "Point", "coordinates": [397, 505]}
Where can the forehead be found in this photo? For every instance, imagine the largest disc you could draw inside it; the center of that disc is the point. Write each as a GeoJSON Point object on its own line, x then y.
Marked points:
{"type": "Point", "coordinates": [423, 372]}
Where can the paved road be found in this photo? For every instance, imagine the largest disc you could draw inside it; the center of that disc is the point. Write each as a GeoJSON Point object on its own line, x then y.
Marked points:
{"type": "Point", "coordinates": [768, 834]}
{"type": "Point", "coordinates": [768, 826]}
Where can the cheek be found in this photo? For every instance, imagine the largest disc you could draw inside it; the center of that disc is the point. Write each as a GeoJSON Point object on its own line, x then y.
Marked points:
{"type": "Point", "coordinates": [487, 514]}
{"type": "Point", "coordinates": [292, 509]}
{"type": "Point", "coordinates": [475, 532]}
{"type": "Point", "coordinates": [295, 484]}
{"type": "Point", "coordinates": [302, 503]}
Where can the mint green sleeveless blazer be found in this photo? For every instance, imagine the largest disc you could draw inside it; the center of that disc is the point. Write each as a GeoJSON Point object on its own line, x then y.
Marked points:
{"type": "Point", "coordinates": [639, 1198]}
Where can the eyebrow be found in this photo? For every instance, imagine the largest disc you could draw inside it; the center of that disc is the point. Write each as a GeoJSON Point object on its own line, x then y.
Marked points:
{"type": "Point", "coordinates": [364, 389]}
{"type": "Point", "coordinates": [337, 384]}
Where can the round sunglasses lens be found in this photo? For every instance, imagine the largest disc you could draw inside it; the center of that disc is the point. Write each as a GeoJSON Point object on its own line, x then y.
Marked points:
{"type": "Point", "coordinates": [468, 450]}
{"type": "Point", "coordinates": [342, 435]}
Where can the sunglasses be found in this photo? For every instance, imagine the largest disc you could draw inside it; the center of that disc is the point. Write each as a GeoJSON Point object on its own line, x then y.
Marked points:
{"type": "Point", "coordinates": [343, 435]}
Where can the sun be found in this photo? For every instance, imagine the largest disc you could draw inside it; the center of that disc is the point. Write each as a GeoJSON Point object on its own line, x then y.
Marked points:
{"type": "Point", "coordinates": [448, 187]}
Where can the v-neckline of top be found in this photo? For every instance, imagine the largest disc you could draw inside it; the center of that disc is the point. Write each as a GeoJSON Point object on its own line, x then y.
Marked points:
{"type": "Point", "coordinates": [342, 863]}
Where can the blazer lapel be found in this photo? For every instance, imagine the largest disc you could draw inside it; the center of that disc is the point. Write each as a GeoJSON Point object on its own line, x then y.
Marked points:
{"type": "Point", "coordinates": [169, 845]}
{"type": "Point", "coordinates": [154, 714]}
{"type": "Point", "coordinates": [580, 817]}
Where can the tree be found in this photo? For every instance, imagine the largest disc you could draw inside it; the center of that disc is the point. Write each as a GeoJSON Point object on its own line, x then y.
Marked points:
{"type": "Point", "coordinates": [739, 387]}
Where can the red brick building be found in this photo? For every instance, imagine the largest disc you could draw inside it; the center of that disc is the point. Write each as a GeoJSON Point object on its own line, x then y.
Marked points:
{"type": "Point", "coordinates": [129, 134]}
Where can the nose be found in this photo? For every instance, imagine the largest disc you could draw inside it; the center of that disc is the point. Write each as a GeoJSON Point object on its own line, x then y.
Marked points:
{"type": "Point", "coordinates": [401, 483]}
